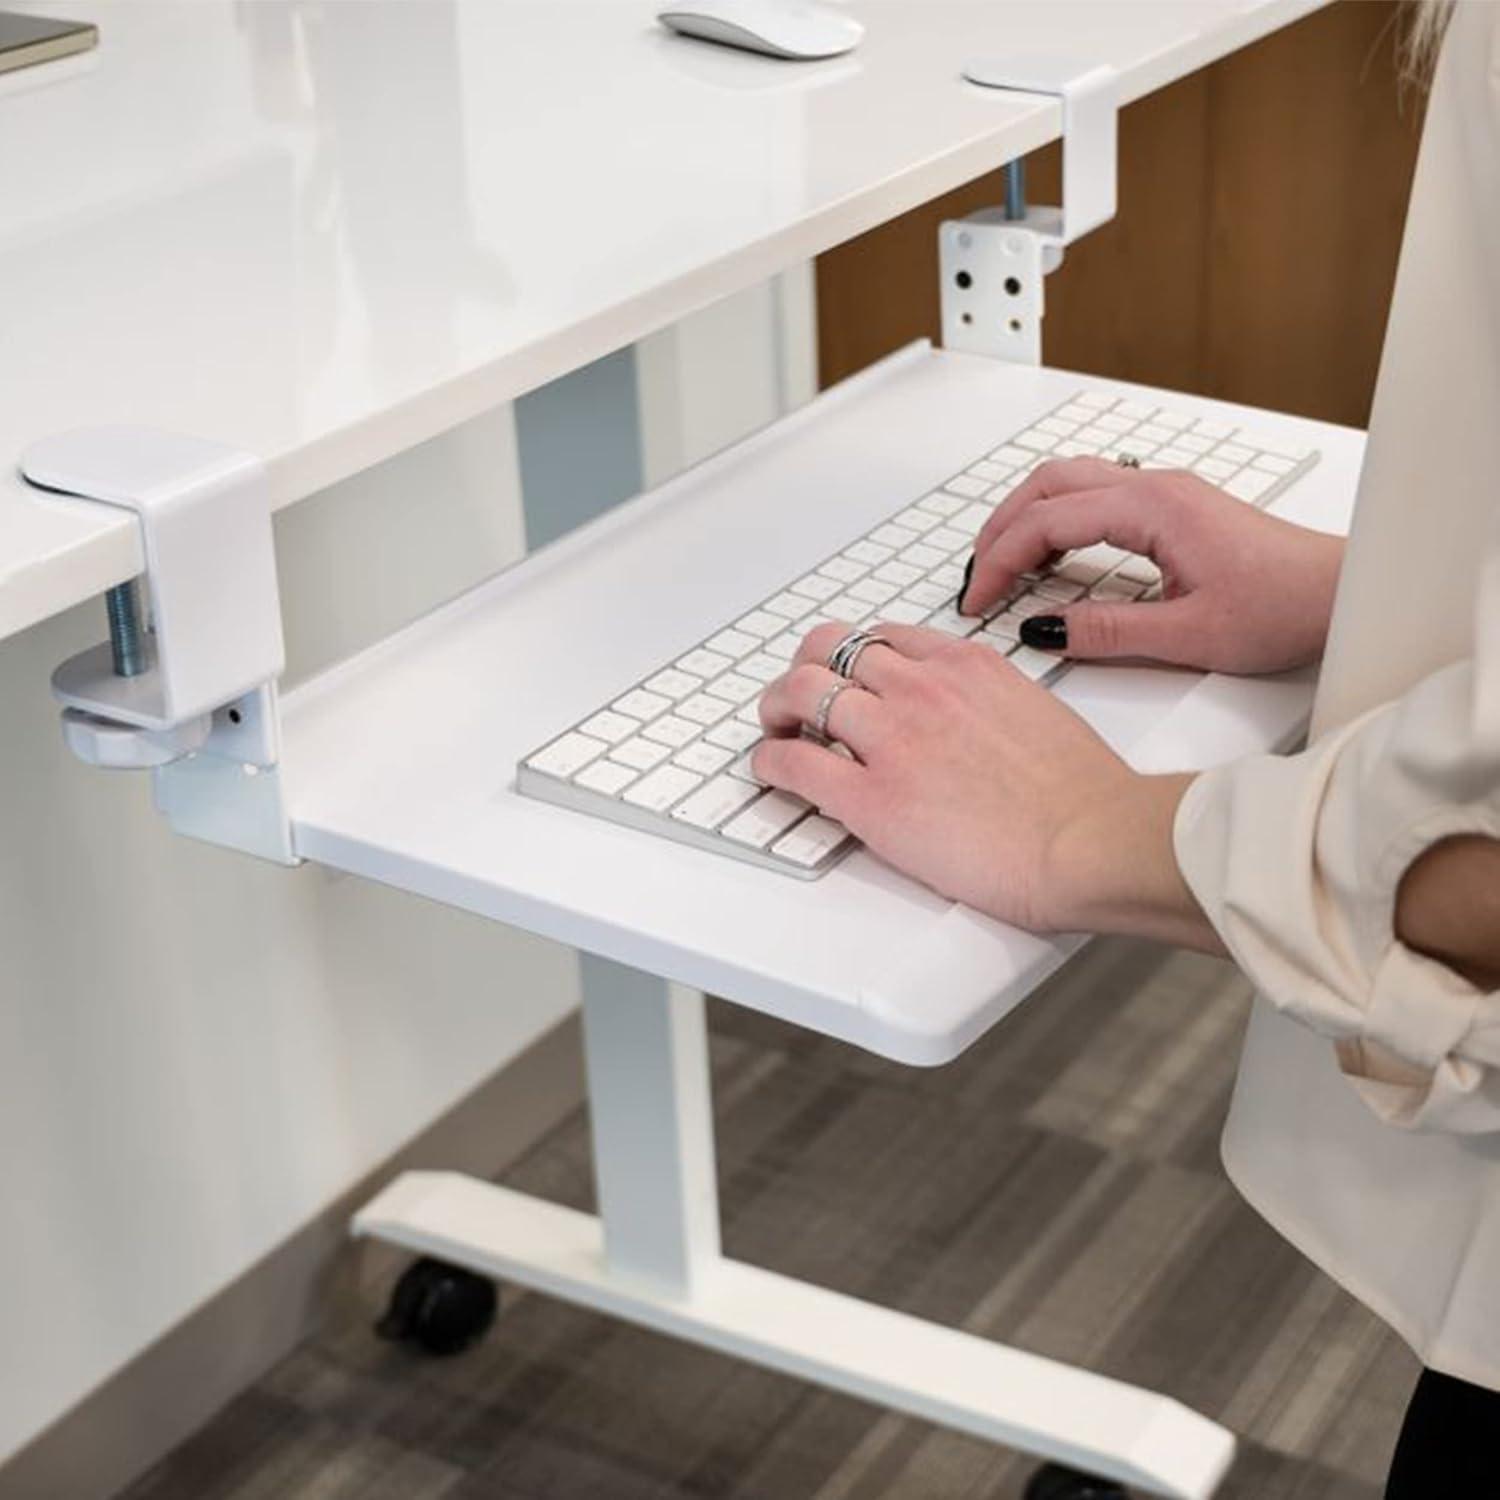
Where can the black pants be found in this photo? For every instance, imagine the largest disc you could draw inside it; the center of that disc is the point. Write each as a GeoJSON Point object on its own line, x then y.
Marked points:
{"type": "Point", "coordinates": [1450, 1443]}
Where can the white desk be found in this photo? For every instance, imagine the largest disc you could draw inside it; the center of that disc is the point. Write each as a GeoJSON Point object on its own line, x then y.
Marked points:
{"type": "Point", "coordinates": [384, 219]}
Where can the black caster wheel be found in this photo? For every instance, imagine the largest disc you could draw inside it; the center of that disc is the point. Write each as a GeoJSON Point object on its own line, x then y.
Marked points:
{"type": "Point", "coordinates": [1053, 1482]}
{"type": "Point", "coordinates": [442, 1309]}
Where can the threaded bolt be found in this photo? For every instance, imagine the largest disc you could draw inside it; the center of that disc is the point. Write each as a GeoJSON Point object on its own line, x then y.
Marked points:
{"type": "Point", "coordinates": [127, 645]}
{"type": "Point", "coordinates": [1015, 189]}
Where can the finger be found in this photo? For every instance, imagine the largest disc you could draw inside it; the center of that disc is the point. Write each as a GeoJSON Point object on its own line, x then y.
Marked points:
{"type": "Point", "coordinates": [910, 641]}
{"type": "Point", "coordinates": [831, 782]}
{"type": "Point", "coordinates": [1122, 515]}
{"type": "Point", "coordinates": [1058, 476]}
{"type": "Point", "coordinates": [791, 703]}
{"type": "Point", "coordinates": [1170, 631]}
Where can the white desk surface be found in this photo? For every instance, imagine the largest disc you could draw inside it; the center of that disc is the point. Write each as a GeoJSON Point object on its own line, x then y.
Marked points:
{"type": "Point", "coordinates": [325, 233]}
{"type": "Point", "coordinates": [400, 763]}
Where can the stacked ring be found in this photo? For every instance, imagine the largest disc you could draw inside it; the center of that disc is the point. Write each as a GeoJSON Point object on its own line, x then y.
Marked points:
{"type": "Point", "coordinates": [842, 658]}
{"type": "Point", "coordinates": [1128, 461]}
{"type": "Point", "coordinates": [819, 726]}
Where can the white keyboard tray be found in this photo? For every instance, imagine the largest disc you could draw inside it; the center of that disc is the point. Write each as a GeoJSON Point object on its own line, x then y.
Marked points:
{"type": "Point", "coordinates": [400, 762]}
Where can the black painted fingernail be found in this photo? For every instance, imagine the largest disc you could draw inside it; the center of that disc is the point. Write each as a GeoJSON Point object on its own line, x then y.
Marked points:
{"type": "Point", "coordinates": [1045, 632]}
{"type": "Point", "coordinates": [968, 578]}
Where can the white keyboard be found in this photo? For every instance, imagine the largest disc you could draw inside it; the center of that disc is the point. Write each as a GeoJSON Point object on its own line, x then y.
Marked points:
{"type": "Point", "coordinates": [671, 754]}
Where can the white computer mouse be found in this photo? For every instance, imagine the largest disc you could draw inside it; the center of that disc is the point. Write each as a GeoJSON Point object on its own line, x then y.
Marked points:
{"type": "Point", "coordinates": [779, 28]}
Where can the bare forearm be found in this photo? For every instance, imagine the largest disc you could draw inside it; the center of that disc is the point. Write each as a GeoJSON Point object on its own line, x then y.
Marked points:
{"type": "Point", "coordinates": [1123, 865]}
{"type": "Point", "coordinates": [1448, 907]}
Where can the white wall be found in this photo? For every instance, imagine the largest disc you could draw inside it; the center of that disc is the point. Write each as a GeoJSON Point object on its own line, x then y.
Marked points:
{"type": "Point", "coordinates": [199, 1052]}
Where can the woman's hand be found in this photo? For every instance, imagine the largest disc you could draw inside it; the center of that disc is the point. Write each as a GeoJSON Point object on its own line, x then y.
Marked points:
{"type": "Point", "coordinates": [1241, 590]}
{"type": "Point", "coordinates": [975, 780]}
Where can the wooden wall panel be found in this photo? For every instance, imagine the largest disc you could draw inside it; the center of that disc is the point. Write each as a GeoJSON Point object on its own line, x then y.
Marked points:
{"type": "Point", "coordinates": [1261, 207]}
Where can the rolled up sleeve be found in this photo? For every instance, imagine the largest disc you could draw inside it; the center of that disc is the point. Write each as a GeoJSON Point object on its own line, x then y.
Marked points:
{"type": "Point", "coordinates": [1296, 861]}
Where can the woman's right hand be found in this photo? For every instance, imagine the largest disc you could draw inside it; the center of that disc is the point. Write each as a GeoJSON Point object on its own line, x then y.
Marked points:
{"type": "Point", "coordinates": [1242, 591]}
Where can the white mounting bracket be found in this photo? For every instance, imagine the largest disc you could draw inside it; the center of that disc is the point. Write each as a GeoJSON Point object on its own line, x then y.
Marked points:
{"type": "Point", "coordinates": [993, 263]}
{"type": "Point", "coordinates": [201, 711]}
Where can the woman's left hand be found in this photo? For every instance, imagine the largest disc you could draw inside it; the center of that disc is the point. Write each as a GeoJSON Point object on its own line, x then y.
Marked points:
{"type": "Point", "coordinates": [981, 784]}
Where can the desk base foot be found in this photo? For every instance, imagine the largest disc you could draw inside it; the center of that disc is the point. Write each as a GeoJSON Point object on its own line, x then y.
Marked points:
{"type": "Point", "coordinates": [941, 1375]}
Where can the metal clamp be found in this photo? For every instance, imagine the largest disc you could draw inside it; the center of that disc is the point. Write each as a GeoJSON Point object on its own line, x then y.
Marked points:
{"type": "Point", "coordinates": [994, 262]}
{"type": "Point", "coordinates": [192, 697]}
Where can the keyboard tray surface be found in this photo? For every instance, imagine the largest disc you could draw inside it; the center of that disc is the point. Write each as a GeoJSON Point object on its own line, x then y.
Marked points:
{"type": "Point", "coordinates": [400, 763]}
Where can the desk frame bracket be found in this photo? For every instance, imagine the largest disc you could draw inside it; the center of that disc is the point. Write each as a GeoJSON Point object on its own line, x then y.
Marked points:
{"type": "Point", "coordinates": [652, 1257]}
{"type": "Point", "coordinates": [192, 697]}
{"type": "Point", "coordinates": [994, 264]}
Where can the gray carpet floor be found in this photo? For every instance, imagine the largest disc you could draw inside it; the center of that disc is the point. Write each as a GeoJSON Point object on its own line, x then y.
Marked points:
{"type": "Point", "coordinates": [1058, 1188]}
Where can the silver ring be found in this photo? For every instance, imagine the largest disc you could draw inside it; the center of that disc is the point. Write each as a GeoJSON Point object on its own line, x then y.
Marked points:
{"type": "Point", "coordinates": [842, 658]}
{"type": "Point", "coordinates": [1128, 461]}
{"type": "Point", "coordinates": [819, 725]}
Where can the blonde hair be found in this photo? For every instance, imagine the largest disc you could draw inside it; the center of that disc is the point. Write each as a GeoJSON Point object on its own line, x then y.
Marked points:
{"type": "Point", "coordinates": [1424, 39]}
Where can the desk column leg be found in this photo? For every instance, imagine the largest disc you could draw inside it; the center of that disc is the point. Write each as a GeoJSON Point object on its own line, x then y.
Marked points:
{"type": "Point", "coordinates": [650, 1106]}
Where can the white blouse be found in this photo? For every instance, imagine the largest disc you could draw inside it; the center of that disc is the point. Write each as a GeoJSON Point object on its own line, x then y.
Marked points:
{"type": "Point", "coordinates": [1366, 1121]}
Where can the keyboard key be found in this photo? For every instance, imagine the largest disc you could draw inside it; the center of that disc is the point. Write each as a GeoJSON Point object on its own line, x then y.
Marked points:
{"type": "Point", "coordinates": [610, 727]}
{"type": "Point", "coordinates": [640, 704]}
{"type": "Point", "coordinates": [1095, 437]}
{"type": "Point", "coordinates": [892, 536]}
{"type": "Point", "coordinates": [900, 573]}
{"type": "Point", "coordinates": [930, 595]}
{"type": "Point", "coordinates": [924, 557]}
{"type": "Point", "coordinates": [703, 663]}
{"type": "Point", "coordinates": [566, 755]}
{"type": "Point", "coordinates": [966, 485]}
{"type": "Point", "coordinates": [710, 805]}
{"type": "Point", "coordinates": [1012, 457]}
{"type": "Point", "coordinates": [950, 622]}
{"type": "Point", "coordinates": [1250, 484]}
{"type": "Point", "coordinates": [784, 646]}
{"type": "Point", "coordinates": [873, 591]}
{"type": "Point", "coordinates": [761, 625]}
{"type": "Point", "coordinates": [1211, 429]}
{"type": "Point", "coordinates": [1076, 411]}
{"type": "Point", "coordinates": [904, 612]}
{"type": "Point", "coordinates": [1139, 570]}
{"type": "Point", "coordinates": [1071, 448]}
{"type": "Point", "coordinates": [1234, 453]}
{"type": "Point", "coordinates": [942, 504]}
{"type": "Point", "coordinates": [1006, 627]}
{"type": "Point", "coordinates": [1135, 410]}
{"type": "Point", "coordinates": [970, 522]}
{"type": "Point", "coordinates": [987, 470]}
{"type": "Point", "coordinates": [869, 553]}
{"type": "Point", "coordinates": [1037, 665]}
{"type": "Point", "coordinates": [606, 776]}
{"type": "Point", "coordinates": [640, 753]}
{"type": "Point", "coordinates": [1174, 421]}
{"type": "Point", "coordinates": [789, 606]}
{"type": "Point", "coordinates": [947, 540]}
{"type": "Point", "coordinates": [1213, 468]}
{"type": "Point", "coordinates": [1136, 447]}
{"type": "Point", "coordinates": [846, 608]}
{"type": "Point", "coordinates": [845, 570]}
{"type": "Point", "coordinates": [763, 667]}
{"type": "Point", "coordinates": [1173, 458]}
{"type": "Point", "coordinates": [703, 758]}
{"type": "Point", "coordinates": [703, 708]}
{"type": "Point", "coordinates": [662, 788]}
{"type": "Point", "coordinates": [1152, 433]}
{"type": "Point", "coordinates": [734, 736]}
{"type": "Point", "coordinates": [1194, 442]}
{"type": "Point", "coordinates": [810, 841]}
{"type": "Point", "coordinates": [733, 643]}
{"type": "Point", "coordinates": [744, 770]}
{"type": "Point", "coordinates": [1032, 604]}
{"type": "Point", "coordinates": [749, 713]}
{"type": "Point", "coordinates": [1061, 590]}
{"type": "Point", "coordinates": [1115, 589]}
{"type": "Point", "coordinates": [817, 586]}
{"type": "Point", "coordinates": [1057, 426]}
{"type": "Point", "coordinates": [949, 576]}
{"type": "Point", "coordinates": [1096, 400]}
{"type": "Point", "coordinates": [1271, 464]}
{"type": "Point", "coordinates": [674, 684]}
{"type": "Point", "coordinates": [768, 819]}
{"type": "Point", "coordinates": [1038, 442]}
{"type": "Point", "coordinates": [808, 623]}
{"type": "Point", "coordinates": [672, 731]}
{"type": "Point", "coordinates": [735, 687]}
{"type": "Point", "coordinates": [1113, 423]}
{"type": "Point", "coordinates": [914, 518]}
